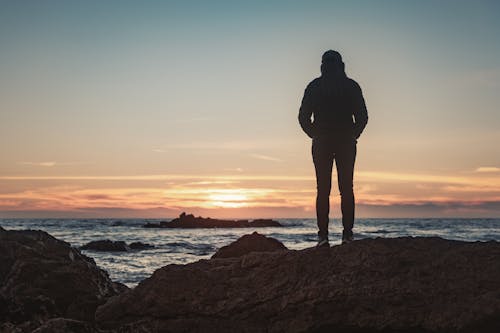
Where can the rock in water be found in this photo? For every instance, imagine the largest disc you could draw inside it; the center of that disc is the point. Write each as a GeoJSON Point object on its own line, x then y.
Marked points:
{"type": "Point", "coordinates": [370, 285]}
{"type": "Point", "coordinates": [42, 277]}
{"type": "Point", "coordinates": [190, 221]}
{"type": "Point", "coordinates": [140, 246]}
{"type": "Point", "coordinates": [249, 243]}
{"type": "Point", "coordinates": [106, 245]}
{"type": "Point", "coordinates": [115, 246]}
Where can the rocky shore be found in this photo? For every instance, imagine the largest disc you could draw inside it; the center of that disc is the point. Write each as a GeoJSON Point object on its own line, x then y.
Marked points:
{"type": "Point", "coordinates": [257, 285]}
{"type": "Point", "coordinates": [43, 279]}
{"type": "Point", "coordinates": [190, 221]}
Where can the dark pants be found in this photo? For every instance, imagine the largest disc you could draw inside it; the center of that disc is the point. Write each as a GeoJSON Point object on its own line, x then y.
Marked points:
{"type": "Point", "coordinates": [324, 151]}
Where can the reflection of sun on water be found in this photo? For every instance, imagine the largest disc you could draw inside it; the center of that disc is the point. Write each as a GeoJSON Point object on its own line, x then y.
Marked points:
{"type": "Point", "coordinates": [228, 199]}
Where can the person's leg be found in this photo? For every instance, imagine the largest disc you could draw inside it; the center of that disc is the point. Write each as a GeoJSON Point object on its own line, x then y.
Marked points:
{"type": "Point", "coordinates": [345, 157]}
{"type": "Point", "coordinates": [323, 162]}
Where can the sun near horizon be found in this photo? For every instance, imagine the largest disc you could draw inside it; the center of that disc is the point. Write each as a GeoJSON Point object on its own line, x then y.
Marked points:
{"type": "Point", "coordinates": [112, 109]}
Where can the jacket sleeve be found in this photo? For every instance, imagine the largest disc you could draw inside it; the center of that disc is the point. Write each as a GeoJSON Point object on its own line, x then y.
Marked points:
{"type": "Point", "coordinates": [306, 112]}
{"type": "Point", "coordinates": [360, 113]}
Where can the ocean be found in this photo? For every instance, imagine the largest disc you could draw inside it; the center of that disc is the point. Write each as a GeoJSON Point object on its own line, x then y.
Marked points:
{"type": "Point", "coordinates": [181, 246]}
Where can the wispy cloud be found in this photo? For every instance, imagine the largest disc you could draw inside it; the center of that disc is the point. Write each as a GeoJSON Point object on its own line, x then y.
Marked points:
{"type": "Point", "coordinates": [477, 180]}
{"type": "Point", "coordinates": [364, 176]}
{"type": "Point", "coordinates": [42, 164]}
{"type": "Point", "coordinates": [239, 145]}
{"type": "Point", "coordinates": [161, 177]}
{"type": "Point", "coordinates": [423, 178]}
{"type": "Point", "coordinates": [234, 169]}
{"type": "Point", "coordinates": [265, 158]}
{"type": "Point", "coordinates": [487, 169]}
{"type": "Point", "coordinates": [48, 164]}
{"type": "Point", "coordinates": [212, 182]}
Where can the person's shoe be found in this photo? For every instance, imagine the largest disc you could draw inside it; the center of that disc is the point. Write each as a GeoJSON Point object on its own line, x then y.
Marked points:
{"type": "Point", "coordinates": [347, 236]}
{"type": "Point", "coordinates": [323, 242]}
{"type": "Point", "coordinates": [348, 239]}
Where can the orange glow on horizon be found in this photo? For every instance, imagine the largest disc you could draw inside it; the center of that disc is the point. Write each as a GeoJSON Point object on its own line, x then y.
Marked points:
{"type": "Point", "coordinates": [242, 195]}
{"type": "Point", "coordinates": [228, 199]}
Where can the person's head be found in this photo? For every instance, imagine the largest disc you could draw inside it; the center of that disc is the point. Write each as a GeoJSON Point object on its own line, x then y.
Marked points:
{"type": "Point", "coordinates": [332, 64]}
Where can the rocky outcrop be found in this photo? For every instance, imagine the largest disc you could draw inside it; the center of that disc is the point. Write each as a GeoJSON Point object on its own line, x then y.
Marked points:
{"type": "Point", "coordinates": [370, 285]}
{"type": "Point", "coordinates": [190, 221]}
{"type": "Point", "coordinates": [42, 278]}
{"type": "Point", "coordinates": [115, 246]}
{"type": "Point", "coordinates": [254, 242]}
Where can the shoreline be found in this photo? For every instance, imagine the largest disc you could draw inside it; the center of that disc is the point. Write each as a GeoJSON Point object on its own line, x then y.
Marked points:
{"type": "Point", "coordinates": [250, 291]}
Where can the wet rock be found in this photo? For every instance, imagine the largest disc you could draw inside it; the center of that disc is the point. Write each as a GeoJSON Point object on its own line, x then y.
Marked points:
{"type": "Point", "coordinates": [115, 246]}
{"type": "Point", "coordinates": [151, 225]}
{"type": "Point", "coordinates": [64, 325]}
{"type": "Point", "coordinates": [190, 221]}
{"type": "Point", "coordinates": [140, 246]}
{"type": "Point", "coordinates": [370, 285]}
{"type": "Point", "coordinates": [42, 277]}
{"type": "Point", "coordinates": [106, 245]}
{"type": "Point", "coordinates": [254, 242]}
{"type": "Point", "coordinates": [263, 223]}
{"type": "Point", "coordinates": [9, 328]}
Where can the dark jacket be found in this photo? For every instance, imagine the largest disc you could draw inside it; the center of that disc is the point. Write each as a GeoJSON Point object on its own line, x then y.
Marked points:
{"type": "Point", "coordinates": [338, 108]}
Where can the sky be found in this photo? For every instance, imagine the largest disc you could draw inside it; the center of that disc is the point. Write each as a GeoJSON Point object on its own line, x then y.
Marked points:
{"type": "Point", "coordinates": [151, 108]}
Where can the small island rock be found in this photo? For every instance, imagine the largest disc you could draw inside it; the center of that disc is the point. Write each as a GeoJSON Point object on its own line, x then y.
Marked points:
{"type": "Point", "coordinates": [190, 221]}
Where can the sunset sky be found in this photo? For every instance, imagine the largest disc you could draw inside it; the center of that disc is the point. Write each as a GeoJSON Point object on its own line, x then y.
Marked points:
{"type": "Point", "coordinates": [151, 108]}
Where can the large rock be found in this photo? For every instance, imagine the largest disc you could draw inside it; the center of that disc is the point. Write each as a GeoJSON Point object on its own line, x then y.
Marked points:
{"type": "Point", "coordinates": [190, 221]}
{"type": "Point", "coordinates": [42, 277]}
{"type": "Point", "coordinates": [371, 285]}
{"type": "Point", "coordinates": [254, 242]}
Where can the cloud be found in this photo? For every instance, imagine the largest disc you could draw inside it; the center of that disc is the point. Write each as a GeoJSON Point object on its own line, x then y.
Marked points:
{"type": "Point", "coordinates": [223, 145]}
{"type": "Point", "coordinates": [49, 164]}
{"type": "Point", "coordinates": [402, 194]}
{"type": "Point", "coordinates": [396, 177]}
{"type": "Point", "coordinates": [98, 197]}
{"type": "Point", "coordinates": [208, 183]}
{"type": "Point", "coordinates": [93, 212]}
{"type": "Point", "coordinates": [265, 158]}
{"type": "Point", "coordinates": [166, 177]}
{"type": "Point", "coordinates": [487, 169]}
{"type": "Point", "coordinates": [234, 169]}
{"type": "Point", "coordinates": [42, 164]}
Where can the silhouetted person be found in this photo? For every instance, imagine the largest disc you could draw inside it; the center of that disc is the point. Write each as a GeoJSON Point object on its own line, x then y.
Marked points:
{"type": "Point", "coordinates": [339, 111]}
